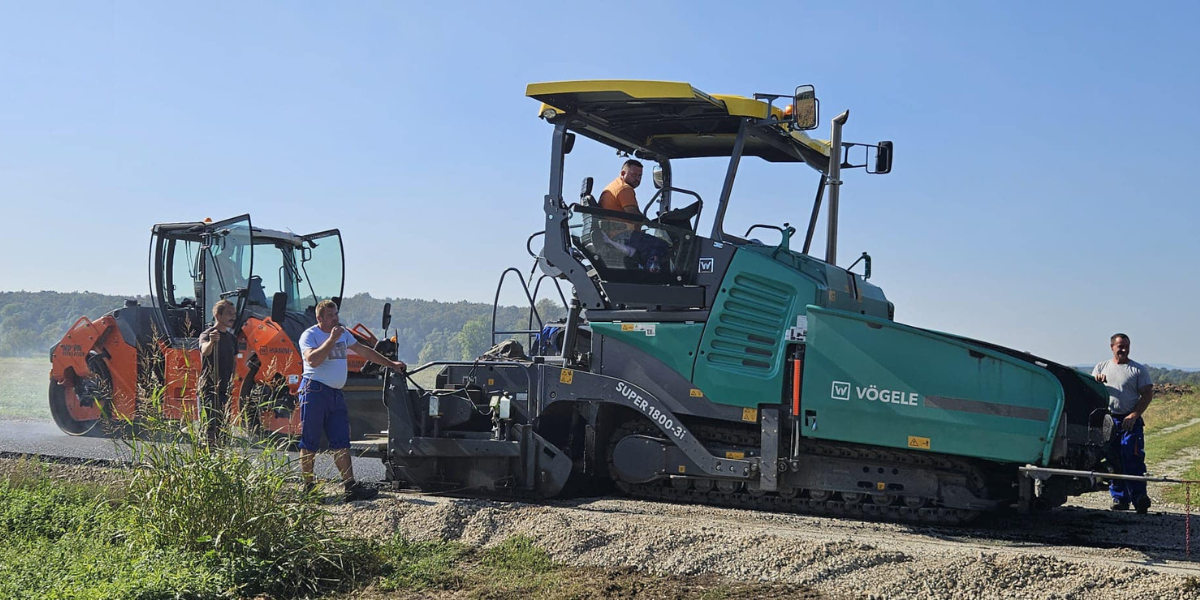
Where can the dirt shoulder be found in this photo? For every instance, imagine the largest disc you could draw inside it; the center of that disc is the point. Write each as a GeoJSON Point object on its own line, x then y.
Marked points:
{"type": "Point", "coordinates": [76, 471]}
{"type": "Point", "coordinates": [1079, 551]}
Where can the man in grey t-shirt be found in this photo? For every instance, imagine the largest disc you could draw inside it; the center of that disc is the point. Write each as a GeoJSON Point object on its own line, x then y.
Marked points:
{"type": "Point", "coordinates": [1129, 393]}
{"type": "Point", "coordinates": [323, 409]}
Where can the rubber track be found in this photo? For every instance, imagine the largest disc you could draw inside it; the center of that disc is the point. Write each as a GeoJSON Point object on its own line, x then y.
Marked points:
{"type": "Point", "coordinates": [768, 501]}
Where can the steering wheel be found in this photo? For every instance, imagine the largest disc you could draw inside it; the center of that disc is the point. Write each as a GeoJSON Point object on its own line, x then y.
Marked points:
{"type": "Point", "coordinates": [682, 217]}
{"type": "Point", "coordinates": [677, 213]}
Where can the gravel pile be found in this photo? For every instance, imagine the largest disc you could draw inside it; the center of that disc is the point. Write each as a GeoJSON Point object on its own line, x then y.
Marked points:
{"type": "Point", "coordinates": [1072, 553]}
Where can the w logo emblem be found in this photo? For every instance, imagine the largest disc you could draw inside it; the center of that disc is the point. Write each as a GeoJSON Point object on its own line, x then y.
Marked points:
{"type": "Point", "coordinates": [841, 391]}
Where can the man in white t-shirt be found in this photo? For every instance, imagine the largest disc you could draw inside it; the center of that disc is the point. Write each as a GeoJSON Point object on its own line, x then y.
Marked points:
{"type": "Point", "coordinates": [322, 405]}
{"type": "Point", "coordinates": [1129, 393]}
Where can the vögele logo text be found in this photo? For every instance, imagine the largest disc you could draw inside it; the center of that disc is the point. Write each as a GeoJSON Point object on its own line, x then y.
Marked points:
{"type": "Point", "coordinates": [873, 393]}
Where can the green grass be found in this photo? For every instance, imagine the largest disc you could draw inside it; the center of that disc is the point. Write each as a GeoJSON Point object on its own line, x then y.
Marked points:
{"type": "Point", "coordinates": [80, 566]}
{"type": "Point", "coordinates": [1161, 447]}
{"type": "Point", "coordinates": [1178, 493]}
{"type": "Point", "coordinates": [519, 569]}
{"type": "Point", "coordinates": [1168, 411]}
{"type": "Point", "coordinates": [421, 566]}
{"type": "Point", "coordinates": [514, 568]}
{"type": "Point", "coordinates": [1165, 412]}
{"type": "Point", "coordinates": [187, 521]}
{"type": "Point", "coordinates": [64, 540]}
{"type": "Point", "coordinates": [23, 388]}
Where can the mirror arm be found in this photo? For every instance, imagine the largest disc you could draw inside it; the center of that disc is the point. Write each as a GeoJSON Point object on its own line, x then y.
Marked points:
{"type": "Point", "coordinates": [866, 265]}
{"type": "Point", "coordinates": [883, 157]}
{"type": "Point", "coordinates": [785, 244]}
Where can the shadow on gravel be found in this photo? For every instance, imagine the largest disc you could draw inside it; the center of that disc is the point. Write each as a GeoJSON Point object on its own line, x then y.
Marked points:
{"type": "Point", "coordinates": [1160, 536]}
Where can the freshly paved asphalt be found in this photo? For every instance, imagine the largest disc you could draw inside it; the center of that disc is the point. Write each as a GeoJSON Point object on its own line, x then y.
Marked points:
{"type": "Point", "coordinates": [45, 439]}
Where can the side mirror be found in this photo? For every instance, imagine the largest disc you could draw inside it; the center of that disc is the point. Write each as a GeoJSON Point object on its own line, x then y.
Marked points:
{"type": "Point", "coordinates": [387, 316]}
{"type": "Point", "coordinates": [279, 307]}
{"type": "Point", "coordinates": [568, 142]}
{"type": "Point", "coordinates": [805, 108]}
{"type": "Point", "coordinates": [657, 175]}
{"type": "Point", "coordinates": [883, 158]}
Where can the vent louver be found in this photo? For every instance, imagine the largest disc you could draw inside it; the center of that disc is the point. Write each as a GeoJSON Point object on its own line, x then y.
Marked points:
{"type": "Point", "coordinates": [749, 330]}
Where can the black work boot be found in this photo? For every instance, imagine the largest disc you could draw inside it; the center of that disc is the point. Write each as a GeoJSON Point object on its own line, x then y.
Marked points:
{"type": "Point", "coordinates": [1120, 504]}
{"type": "Point", "coordinates": [1142, 505]}
{"type": "Point", "coordinates": [356, 491]}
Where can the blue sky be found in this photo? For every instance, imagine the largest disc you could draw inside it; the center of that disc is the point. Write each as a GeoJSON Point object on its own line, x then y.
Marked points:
{"type": "Point", "coordinates": [1043, 195]}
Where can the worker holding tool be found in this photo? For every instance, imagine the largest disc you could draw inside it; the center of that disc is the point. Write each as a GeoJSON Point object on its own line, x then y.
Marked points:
{"type": "Point", "coordinates": [1129, 393]}
{"type": "Point", "coordinates": [322, 404]}
{"type": "Point", "coordinates": [217, 350]}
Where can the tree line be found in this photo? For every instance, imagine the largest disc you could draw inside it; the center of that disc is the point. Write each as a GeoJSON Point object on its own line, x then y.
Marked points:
{"type": "Point", "coordinates": [1175, 376]}
{"type": "Point", "coordinates": [32, 322]}
{"type": "Point", "coordinates": [426, 330]}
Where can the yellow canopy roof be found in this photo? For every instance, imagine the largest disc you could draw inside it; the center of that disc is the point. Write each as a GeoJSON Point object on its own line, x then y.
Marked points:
{"type": "Point", "coordinates": [671, 118]}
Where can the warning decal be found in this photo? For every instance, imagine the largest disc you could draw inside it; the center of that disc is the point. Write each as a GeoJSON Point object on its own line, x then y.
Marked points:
{"type": "Point", "coordinates": [647, 328]}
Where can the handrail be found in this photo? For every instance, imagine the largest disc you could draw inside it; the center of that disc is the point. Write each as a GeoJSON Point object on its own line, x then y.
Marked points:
{"type": "Point", "coordinates": [538, 286]}
{"type": "Point", "coordinates": [496, 301]}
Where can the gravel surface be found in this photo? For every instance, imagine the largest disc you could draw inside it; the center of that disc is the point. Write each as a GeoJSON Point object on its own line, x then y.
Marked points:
{"type": "Point", "coordinates": [1079, 551]}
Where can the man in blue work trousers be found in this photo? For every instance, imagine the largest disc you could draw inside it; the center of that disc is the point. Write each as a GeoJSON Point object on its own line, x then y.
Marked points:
{"type": "Point", "coordinates": [1129, 393]}
{"type": "Point", "coordinates": [322, 404]}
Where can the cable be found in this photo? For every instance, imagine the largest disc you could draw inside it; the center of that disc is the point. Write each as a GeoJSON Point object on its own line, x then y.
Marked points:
{"type": "Point", "coordinates": [530, 241]}
{"type": "Point", "coordinates": [451, 392]}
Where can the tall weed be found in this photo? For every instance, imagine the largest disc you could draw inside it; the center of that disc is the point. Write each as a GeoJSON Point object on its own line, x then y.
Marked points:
{"type": "Point", "coordinates": [240, 507]}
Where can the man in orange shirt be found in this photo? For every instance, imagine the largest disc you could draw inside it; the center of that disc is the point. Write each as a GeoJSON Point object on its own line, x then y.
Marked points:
{"type": "Point", "coordinates": [619, 196]}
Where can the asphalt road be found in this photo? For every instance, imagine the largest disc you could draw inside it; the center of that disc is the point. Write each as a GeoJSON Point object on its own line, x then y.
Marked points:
{"type": "Point", "coordinates": [45, 439]}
